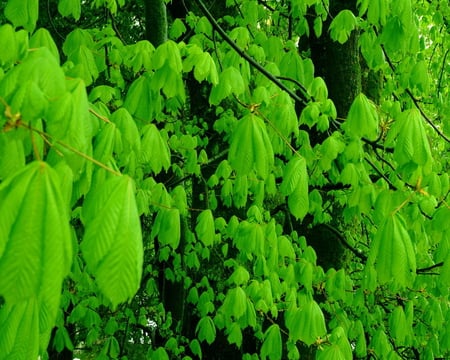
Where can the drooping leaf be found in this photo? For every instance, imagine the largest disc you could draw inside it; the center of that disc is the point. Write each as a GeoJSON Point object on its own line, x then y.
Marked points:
{"type": "Point", "coordinates": [8, 41]}
{"type": "Point", "coordinates": [295, 186]}
{"type": "Point", "coordinates": [362, 119]}
{"type": "Point", "coordinates": [307, 323]}
{"type": "Point", "coordinates": [112, 243]}
{"type": "Point", "coordinates": [68, 122]}
{"type": "Point", "coordinates": [230, 82]}
{"type": "Point", "coordinates": [167, 227]}
{"type": "Point", "coordinates": [250, 147]}
{"type": "Point", "coordinates": [70, 8]}
{"type": "Point", "coordinates": [206, 330]}
{"type": "Point", "coordinates": [412, 142]}
{"type": "Point", "coordinates": [272, 345]}
{"type": "Point", "coordinates": [154, 149]}
{"type": "Point", "coordinates": [393, 254]}
{"type": "Point", "coordinates": [19, 326]}
{"type": "Point", "coordinates": [342, 25]}
{"type": "Point", "coordinates": [205, 227]}
{"type": "Point", "coordinates": [35, 250]}
{"type": "Point", "coordinates": [22, 13]}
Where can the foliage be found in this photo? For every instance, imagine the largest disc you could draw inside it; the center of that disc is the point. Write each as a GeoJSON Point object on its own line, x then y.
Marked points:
{"type": "Point", "coordinates": [165, 202]}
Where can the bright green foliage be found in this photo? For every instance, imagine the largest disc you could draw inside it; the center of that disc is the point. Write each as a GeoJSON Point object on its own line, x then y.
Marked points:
{"type": "Point", "coordinates": [113, 241]}
{"type": "Point", "coordinates": [209, 197]}
{"type": "Point", "coordinates": [36, 252]}
{"type": "Point", "coordinates": [250, 148]}
{"type": "Point", "coordinates": [362, 119]}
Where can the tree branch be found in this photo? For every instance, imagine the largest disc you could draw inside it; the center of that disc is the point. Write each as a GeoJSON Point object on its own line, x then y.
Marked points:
{"type": "Point", "coordinates": [426, 269]}
{"type": "Point", "coordinates": [252, 61]}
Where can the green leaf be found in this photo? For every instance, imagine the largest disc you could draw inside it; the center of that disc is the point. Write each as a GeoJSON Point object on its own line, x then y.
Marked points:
{"type": "Point", "coordinates": [205, 227]}
{"type": "Point", "coordinates": [143, 102]}
{"type": "Point", "coordinates": [249, 239]}
{"type": "Point", "coordinates": [393, 254]}
{"type": "Point", "coordinates": [234, 333]}
{"type": "Point", "coordinates": [22, 13]}
{"type": "Point", "coordinates": [177, 29]}
{"type": "Point", "coordinates": [167, 227]}
{"type": "Point", "coordinates": [342, 25]}
{"type": "Point", "coordinates": [250, 147]}
{"type": "Point", "coordinates": [70, 8]}
{"type": "Point", "coordinates": [306, 323]}
{"type": "Point", "coordinates": [399, 328]}
{"type": "Point", "coordinates": [68, 122]}
{"type": "Point", "coordinates": [412, 142]}
{"type": "Point", "coordinates": [419, 78]}
{"type": "Point", "coordinates": [154, 151]}
{"type": "Point", "coordinates": [159, 354]}
{"type": "Point", "coordinates": [196, 349]}
{"type": "Point", "coordinates": [19, 326]}
{"type": "Point", "coordinates": [35, 245]}
{"type": "Point", "coordinates": [104, 143]}
{"type": "Point", "coordinates": [206, 330]}
{"type": "Point", "coordinates": [240, 276]}
{"type": "Point", "coordinates": [362, 119]}
{"type": "Point", "coordinates": [235, 303]}
{"type": "Point", "coordinates": [168, 53]}
{"type": "Point", "coordinates": [8, 41]}
{"type": "Point", "coordinates": [43, 38]}
{"type": "Point", "coordinates": [272, 345]}
{"type": "Point", "coordinates": [230, 82]}
{"type": "Point", "coordinates": [112, 243]}
{"type": "Point", "coordinates": [295, 185]}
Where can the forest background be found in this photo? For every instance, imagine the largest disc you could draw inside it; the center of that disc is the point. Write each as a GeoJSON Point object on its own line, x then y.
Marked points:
{"type": "Point", "coordinates": [232, 179]}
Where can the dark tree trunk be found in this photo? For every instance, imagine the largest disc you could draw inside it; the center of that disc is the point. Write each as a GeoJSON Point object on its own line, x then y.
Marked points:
{"type": "Point", "coordinates": [339, 65]}
{"type": "Point", "coordinates": [155, 21]}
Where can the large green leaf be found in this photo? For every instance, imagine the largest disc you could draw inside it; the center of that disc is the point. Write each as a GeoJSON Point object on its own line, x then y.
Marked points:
{"type": "Point", "coordinates": [70, 8]}
{"type": "Point", "coordinates": [412, 142]}
{"type": "Point", "coordinates": [272, 345]}
{"type": "Point", "coordinates": [142, 101]}
{"type": "Point", "coordinates": [306, 323]}
{"type": "Point", "coordinates": [230, 82]}
{"type": "Point", "coordinates": [205, 227]}
{"type": "Point", "coordinates": [23, 13]}
{"type": "Point", "coordinates": [112, 243]}
{"type": "Point", "coordinates": [43, 38]}
{"type": "Point", "coordinates": [68, 122]}
{"type": "Point", "coordinates": [250, 147]}
{"type": "Point", "coordinates": [295, 185]}
{"type": "Point", "coordinates": [35, 248]}
{"type": "Point", "coordinates": [19, 329]}
{"type": "Point", "coordinates": [362, 119]}
{"type": "Point", "coordinates": [206, 330]}
{"type": "Point", "coordinates": [154, 151]}
{"type": "Point", "coordinates": [342, 25]}
{"type": "Point", "coordinates": [392, 253]}
{"type": "Point", "coordinates": [8, 41]}
{"type": "Point", "coordinates": [167, 227]}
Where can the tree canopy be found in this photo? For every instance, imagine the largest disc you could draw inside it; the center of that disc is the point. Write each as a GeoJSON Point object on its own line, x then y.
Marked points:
{"type": "Point", "coordinates": [248, 179]}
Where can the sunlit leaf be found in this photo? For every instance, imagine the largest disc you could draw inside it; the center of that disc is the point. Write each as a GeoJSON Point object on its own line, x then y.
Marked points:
{"type": "Point", "coordinates": [393, 254]}
{"type": "Point", "coordinates": [306, 323]}
{"type": "Point", "coordinates": [250, 147]}
{"type": "Point", "coordinates": [22, 13]}
{"type": "Point", "coordinates": [70, 8]}
{"type": "Point", "coordinates": [272, 345]}
{"type": "Point", "coordinates": [295, 185]}
{"type": "Point", "coordinates": [205, 227]}
{"type": "Point", "coordinates": [112, 243]}
{"type": "Point", "coordinates": [362, 119]}
{"type": "Point", "coordinates": [342, 25]}
{"type": "Point", "coordinates": [35, 250]}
